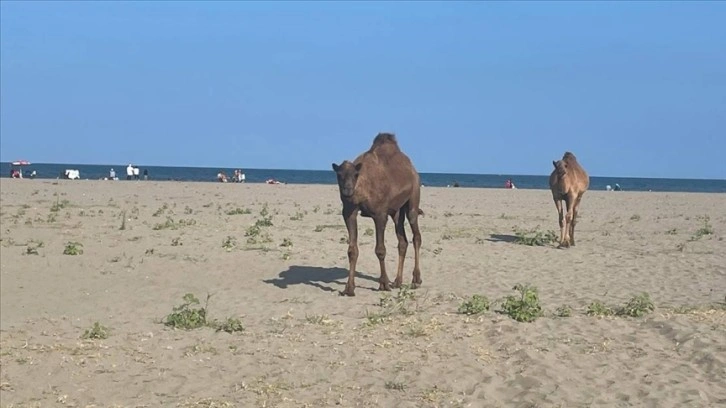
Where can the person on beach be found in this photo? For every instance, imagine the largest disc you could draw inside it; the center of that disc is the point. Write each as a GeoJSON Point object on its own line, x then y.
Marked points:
{"type": "Point", "coordinates": [112, 174]}
{"type": "Point", "coordinates": [146, 174]}
{"type": "Point", "coordinates": [129, 172]}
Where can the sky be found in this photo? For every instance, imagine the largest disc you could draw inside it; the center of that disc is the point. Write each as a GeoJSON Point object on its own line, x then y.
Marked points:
{"type": "Point", "coordinates": [631, 88]}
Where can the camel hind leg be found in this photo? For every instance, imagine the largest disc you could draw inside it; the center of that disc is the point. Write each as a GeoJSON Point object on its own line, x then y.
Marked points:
{"type": "Point", "coordinates": [399, 218]}
{"type": "Point", "coordinates": [575, 211]}
{"type": "Point", "coordinates": [412, 215]}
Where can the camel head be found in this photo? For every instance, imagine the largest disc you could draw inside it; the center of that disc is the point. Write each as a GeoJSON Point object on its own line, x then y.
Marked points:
{"type": "Point", "coordinates": [560, 167]}
{"type": "Point", "coordinates": [347, 174]}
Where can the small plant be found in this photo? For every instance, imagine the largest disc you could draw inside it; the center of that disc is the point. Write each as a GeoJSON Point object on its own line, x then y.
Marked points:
{"type": "Point", "coordinates": [525, 307]}
{"type": "Point", "coordinates": [672, 231]}
{"type": "Point", "coordinates": [395, 385]}
{"type": "Point", "coordinates": [369, 232]}
{"type": "Point", "coordinates": [323, 320]}
{"type": "Point", "coordinates": [239, 211]}
{"type": "Point", "coordinates": [231, 325]}
{"type": "Point", "coordinates": [534, 237]}
{"type": "Point", "coordinates": [286, 242]}
{"type": "Point", "coordinates": [637, 306]}
{"type": "Point", "coordinates": [32, 247]}
{"type": "Point", "coordinates": [400, 304]}
{"type": "Point", "coordinates": [161, 210]}
{"type": "Point", "coordinates": [706, 229]}
{"type": "Point", "coordinates": [188, 210]}
{"type": "Point", "coordinates": [635, 217]}
{"type": "Point", "coordinates": [96, 332]}
{"type": "Point", "coordinates": [597, 308]}
{"type": "Point", "coordinates": [173, 225]}
{"type": "Point", "coordinates": [229, 243]}
{"type": "Point", "coordinates": [563, 311]}
{"type": "Point", "coordinates": [187, 317]}
{"type": "Point", "coordinates": [297, 217]}
{"type": "Point", "coordinates": [73, 248]}
{"type": "Point", "coordinates": [437, 250]}
{"type": "Point", "coordinates": [176, 242]}
{"type": "Point", "coordinates": [476, 305]}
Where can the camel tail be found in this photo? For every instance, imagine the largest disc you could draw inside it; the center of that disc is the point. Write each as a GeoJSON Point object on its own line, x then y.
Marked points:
{"type": "Point", "coordinates": [420, 212]}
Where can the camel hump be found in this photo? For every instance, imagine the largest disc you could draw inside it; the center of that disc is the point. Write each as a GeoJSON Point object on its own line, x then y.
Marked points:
{"type": "Point", "coordinates": [384, 138]}
{"type": "Point", "coordinates": [569, 155]}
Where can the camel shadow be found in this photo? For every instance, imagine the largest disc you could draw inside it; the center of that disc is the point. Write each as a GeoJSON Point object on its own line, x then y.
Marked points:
{"type": "Point", "coordinates": [321, 278]}
{"type": "Point", "coordinates": [501, 238]}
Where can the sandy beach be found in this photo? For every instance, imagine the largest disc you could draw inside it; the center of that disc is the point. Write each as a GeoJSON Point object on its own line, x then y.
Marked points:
{"type": "Point", "coordinates": [146, 244]}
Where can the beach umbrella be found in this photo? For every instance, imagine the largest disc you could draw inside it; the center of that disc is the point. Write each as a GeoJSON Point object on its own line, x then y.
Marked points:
{"type": "Point", "coordinates": [21, 163]}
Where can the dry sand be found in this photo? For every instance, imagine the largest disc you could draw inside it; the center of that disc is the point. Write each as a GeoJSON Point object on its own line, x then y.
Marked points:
{"type": "Point", "coordinates": [304, 345]}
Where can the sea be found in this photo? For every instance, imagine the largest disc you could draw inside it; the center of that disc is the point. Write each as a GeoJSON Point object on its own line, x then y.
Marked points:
{"type": "Point", "coordinates": [209, 174]}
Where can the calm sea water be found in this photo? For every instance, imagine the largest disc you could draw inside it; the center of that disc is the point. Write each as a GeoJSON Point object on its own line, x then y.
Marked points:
{"type": "Point", "coordinates": [205, 174]}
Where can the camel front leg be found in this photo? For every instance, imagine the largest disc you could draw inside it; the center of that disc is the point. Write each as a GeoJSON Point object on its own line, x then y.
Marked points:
{"type": "Point", "coordinates": [570, 201]}
{"type": "Point", "coordinates": [351, 222]}
{"type": "Point", "coordinates": [398, 219]}
{"type": "Point", "coordinates": [558, 204]}
{"type": "Point", "coordinates": [380, 223]}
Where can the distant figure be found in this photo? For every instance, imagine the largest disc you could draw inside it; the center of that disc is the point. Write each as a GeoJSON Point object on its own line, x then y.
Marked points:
{"type": "Point", "coordinates": [242, 177]}
{"type": "Point", "coordinates": [136, 173]}
{"type": "Point", "coordinates": [608, 188]}
{"type": "Point", "coordinates": [381, 182]}
{"type": "Point", "coordinates": [221, 177]}
{"type": "Point", "coordinates": [509, 184]}
{"type": "Point", "coordinates": [568, 182]}
{"type": "Point", "coordinates": [33, 174]}
{"type": "Point", "coordinates": [146, 174]}
{"type": "Point", "coordinates": [456, 184]}
{"type": "Point", "coordinates": [112, 174]}
{"type": "Point", "coordinates": [129, 172]}
{"type": "Point", "coordinates": [617, 187]}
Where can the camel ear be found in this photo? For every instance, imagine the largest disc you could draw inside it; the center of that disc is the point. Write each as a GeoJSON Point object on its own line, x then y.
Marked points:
{"type": "Point", "coordinates": [554, 163]}
{"type": "Point", "coordinates": [358, 166]}
{"type": "Point", "coordinates": [335, 167]}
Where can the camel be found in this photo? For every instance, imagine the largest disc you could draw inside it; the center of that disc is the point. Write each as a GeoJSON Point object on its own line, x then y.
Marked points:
{"type": "Point", "coordinates": [379, 183]}
{"type": "Point", "coordinates": [568, 183]}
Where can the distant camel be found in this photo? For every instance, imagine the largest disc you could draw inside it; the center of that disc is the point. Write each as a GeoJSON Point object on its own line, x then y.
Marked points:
{"type": "Point", "coordinates": [381, 182]}
{"type": "Point", "coordinates": [568, 182]}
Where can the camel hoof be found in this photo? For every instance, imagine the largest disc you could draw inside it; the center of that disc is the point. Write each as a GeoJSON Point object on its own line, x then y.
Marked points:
{"type": "Point", "coordinates": [396, 284]}
{"type": "Point", "coordinates": [348, 292]}
{"type": "Point", "coordinates": [563, 245]}
{"type": "Point", "coordinates": [416, 285]}
{"type": "Point", "coordinates": [384, 287]}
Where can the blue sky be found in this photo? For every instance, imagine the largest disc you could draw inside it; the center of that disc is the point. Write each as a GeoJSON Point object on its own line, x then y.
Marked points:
{"type": "Point", "coordinates": [632, 88]}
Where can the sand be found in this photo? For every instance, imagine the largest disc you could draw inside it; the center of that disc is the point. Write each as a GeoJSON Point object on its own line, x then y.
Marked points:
{"type": "Point", "coordinates": [304, 345]}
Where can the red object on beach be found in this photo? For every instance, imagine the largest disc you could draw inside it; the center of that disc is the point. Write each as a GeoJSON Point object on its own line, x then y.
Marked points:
{"type": "Point", "coordinates": [21, 163]}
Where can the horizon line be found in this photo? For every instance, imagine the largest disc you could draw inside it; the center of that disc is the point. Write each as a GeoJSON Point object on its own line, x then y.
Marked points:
{"type": "Point", "coordinates": [420, 172]}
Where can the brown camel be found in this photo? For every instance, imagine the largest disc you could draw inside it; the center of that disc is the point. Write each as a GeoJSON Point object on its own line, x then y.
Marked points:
{"type": "Point", "coordinates": [568, 182]}
{"type": "Point", "coordinates": [381, 182]}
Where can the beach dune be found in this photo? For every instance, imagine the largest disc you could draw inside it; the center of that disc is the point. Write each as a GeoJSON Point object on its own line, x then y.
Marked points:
{"type": "Point", "coordinates": [274, 257]}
